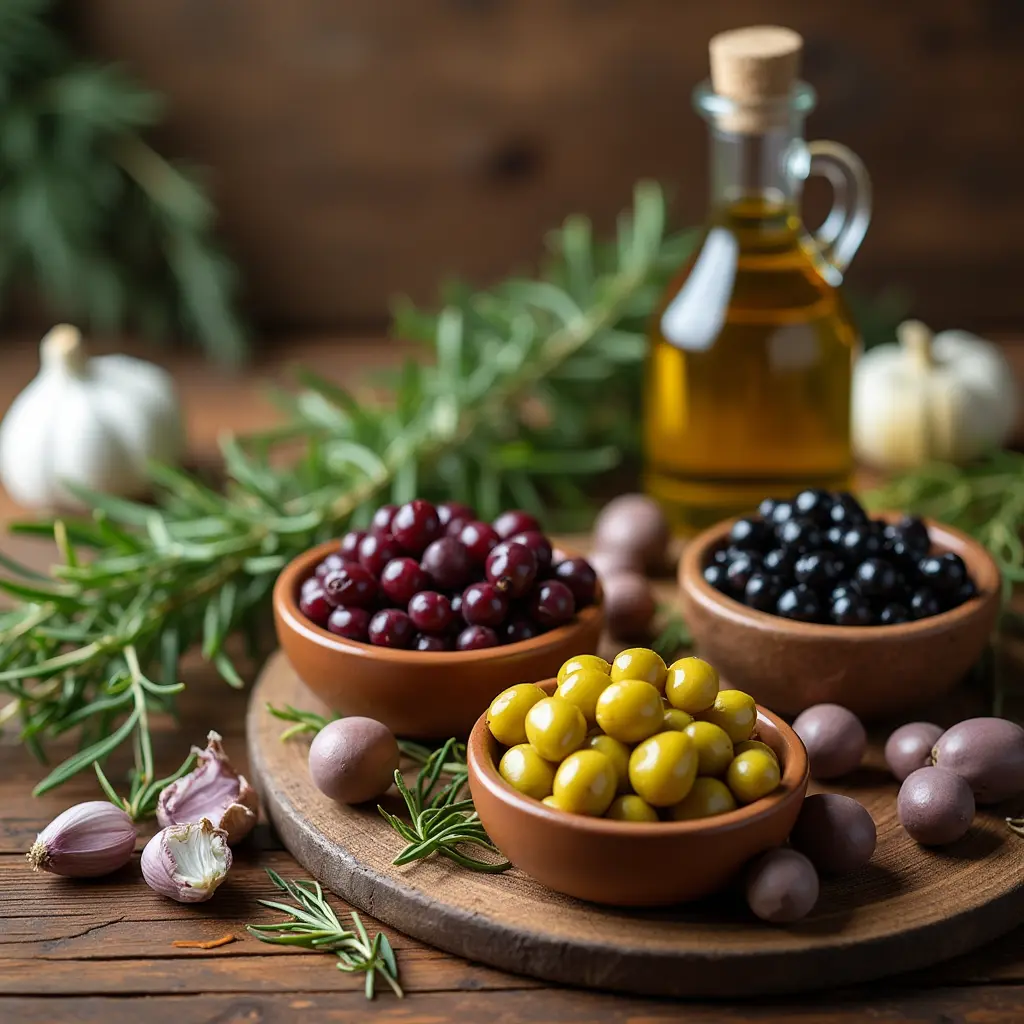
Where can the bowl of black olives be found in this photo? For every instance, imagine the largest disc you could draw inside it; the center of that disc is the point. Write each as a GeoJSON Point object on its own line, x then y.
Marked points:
{"type": "Point", "coordinates": [811, 600]}
{"type": "Point", "coordinates": [422, 618]}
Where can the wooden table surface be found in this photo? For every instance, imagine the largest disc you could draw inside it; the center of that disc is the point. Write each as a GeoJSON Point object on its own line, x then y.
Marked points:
{"type": "Point", "coordinates": [101, 951]}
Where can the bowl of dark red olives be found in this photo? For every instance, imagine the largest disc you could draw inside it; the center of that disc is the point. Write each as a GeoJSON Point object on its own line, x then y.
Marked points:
{"type": "Point", "coordinates": [811, 600]}
{"type": "Point", "coordinates": [421, 619]}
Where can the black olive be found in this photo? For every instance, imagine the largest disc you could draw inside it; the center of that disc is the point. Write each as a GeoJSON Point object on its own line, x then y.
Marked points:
{"type": "Point", "coordinates": [965, 592]}
{"type": "Point", "coordinates": [782, 513]}
{"type": "Point", "coordinates": [861, 542]}
{"type": "Point", "coordinates": [875, 577]}
{"type": "Point", "coordinates": [740, 569]}
{"type": "Point", "coordinates": [851, 610]}
{"type": "Point", "coordinates": [761, 592]}
{"type": "Point", "coordinates": [846, 510]}
{"type": "Point", "coordinates": [715, 576]}
{"type": "Point", "coordinates": [780, 561]}
{"type": "Point", "coordinates": [817, 569]}
{"type": "Point", "coordinates": [800, 603]}
{"type": "Point", "coordinates": [800, 535]}
{"type": "Point", "coordinates": [834, 536]}
{"type": "Point", "coordinates": [915, 535]}
{"type": "Point", "coordinates": [766, 508]}
{"type": "Point", "coordinates": [814, 504]}
{"type": "Point", "coordinates": [893, 614]}
{"type": "Point", "coordinates": [750, 534]}
{"type": "Point", "coordinates": [924, 604]}
{"type": "Point", "coordinates": [841, 590]}
{"type": "Point", "coordinates": [944, 573]}
{"type": "Point", "coordinates": [721, 556]}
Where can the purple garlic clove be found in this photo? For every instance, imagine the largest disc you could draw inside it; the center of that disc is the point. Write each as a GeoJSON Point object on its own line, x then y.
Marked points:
{"type": "Point", "coordinates": [212, 790]}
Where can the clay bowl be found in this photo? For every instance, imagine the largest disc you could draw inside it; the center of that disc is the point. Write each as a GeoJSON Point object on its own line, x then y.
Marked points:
{"type": "Point", "coordinates": [875, 671]}
{"type": "Point", "coordinates": [415, 694]}
{"type": "Point", "coordinates": [633, 864]}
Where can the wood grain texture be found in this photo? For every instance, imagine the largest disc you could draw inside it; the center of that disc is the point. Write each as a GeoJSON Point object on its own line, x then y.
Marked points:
{"type": "Point", "coordinates": [910, 907]}
{"type": "Point", "coordinates": [358, 149]}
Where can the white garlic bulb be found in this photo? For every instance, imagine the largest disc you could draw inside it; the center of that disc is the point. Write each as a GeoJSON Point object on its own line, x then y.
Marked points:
{"type": "Point", "coordinates": [94, 422]}
{"type": "Point", "coordinates": [950, 397]}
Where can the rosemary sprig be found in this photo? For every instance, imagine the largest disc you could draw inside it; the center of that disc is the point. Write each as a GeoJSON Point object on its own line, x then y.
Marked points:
{"type": "Point", "coordinates": [674, 635]}
{"type": "Point", "coordinates": [314, 925]}
{"type": "Point", "coordinates": [440, 821]}
{"type": "Point", "coordinates": [140, 584]}
{"type": "Point", "coordinates": [143, 794]}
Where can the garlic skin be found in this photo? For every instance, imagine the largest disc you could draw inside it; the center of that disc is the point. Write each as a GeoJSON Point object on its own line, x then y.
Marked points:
{"type": "Point", "coordinates": [213, 790]}
{"type": "Point", "coordinates": [950, 397]}
{"type": "Point", "coordinates": [86, 841]}
{"type": "Point", "coordinates": [187, 862]}
{"type": "Point", "coordinates": [94, 422]}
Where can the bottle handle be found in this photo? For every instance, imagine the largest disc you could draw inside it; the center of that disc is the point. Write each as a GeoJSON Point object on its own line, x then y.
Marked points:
{"type": "Point", "coordinates": [839, 237]}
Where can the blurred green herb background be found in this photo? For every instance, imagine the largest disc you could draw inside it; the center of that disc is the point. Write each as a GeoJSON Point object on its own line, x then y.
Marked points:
{"type": "Point", "coordinates": [94, 223]}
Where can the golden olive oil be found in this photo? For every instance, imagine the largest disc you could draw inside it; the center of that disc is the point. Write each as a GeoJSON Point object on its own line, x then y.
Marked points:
{"type": "Point", "coordinates": [747, 390]}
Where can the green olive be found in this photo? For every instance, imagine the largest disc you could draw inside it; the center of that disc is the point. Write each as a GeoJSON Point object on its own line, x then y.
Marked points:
{"type": "Point", "coordinates": [585, 783]}
{"type": "Point", "coordinates": [616, 752]}
{"type": "Point", "coordinates": [675, 720]}
{"type": "Point", "coordinates": [742, 748]}
{"type": "Point", "coordinates": [662, 768]}
{"type": "Point", "coordinates": [631, 808]}
{"type": "Point", "coordinates": [714, 748]}
{"type": "Point", "coordinates": [506, 717]}
{"type": "Point", "coordinates": [691, 685]}
{"type": "Point", "coordinates": [583, 661]}
{"type": "Point", "coordinates": [550, 801]}
{"type": "Point", "coordinates": [630, 710]}
{"type": "Point", "coordinates": [555, 728]}
{"type": "Point", "coordinates": [582, 688]}
{"type": "Point", "coordinates": [752, 775]}
{"type": "Point", "coordinates": [640, 663]}
{"type": "Point", "coordinates": [524, 769]}
{"type": "Point", "coordinates": [708, 797]}
{"type": "Point", "coordinates": [735, 712]}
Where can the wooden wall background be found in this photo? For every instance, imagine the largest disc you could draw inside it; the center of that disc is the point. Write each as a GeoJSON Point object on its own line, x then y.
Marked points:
{"type": "Point", "coordinates": [364, 147]}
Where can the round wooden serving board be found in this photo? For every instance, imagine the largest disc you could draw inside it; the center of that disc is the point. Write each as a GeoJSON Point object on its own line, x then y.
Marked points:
{"type": "Point", "coordinates": [910, 907]}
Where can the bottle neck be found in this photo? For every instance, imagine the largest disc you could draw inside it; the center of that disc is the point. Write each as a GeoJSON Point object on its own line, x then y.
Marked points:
{"type": "Point", "coordinates": [754, 170]}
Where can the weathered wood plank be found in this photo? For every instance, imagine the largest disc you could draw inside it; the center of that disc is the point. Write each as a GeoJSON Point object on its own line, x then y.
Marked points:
{"type": "Point", "coordinates": [990, 1004]}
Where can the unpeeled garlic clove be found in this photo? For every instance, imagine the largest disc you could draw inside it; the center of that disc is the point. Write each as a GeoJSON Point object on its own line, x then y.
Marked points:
{"type": "Point", "coordinates": [85, 841]}
{"type": "Point", "coordinates": [187, 862]}
{"type": "Point", "coordinates": [213, 790]}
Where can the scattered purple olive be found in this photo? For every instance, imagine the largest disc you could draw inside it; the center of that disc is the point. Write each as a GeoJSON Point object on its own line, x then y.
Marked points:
{"type": "Point", "coordinates": [629, 606]}
{"type": "Point", "coordinates": [935, 806]}
{"type": "Point", "coordinates": [782, 886]}
{"type": "Point", "coordinates": [986, 752]}
{"type": "Point", "coordinates": [836, 833]}
{"type": "Point", "coordinates": [834, 737]}
{"type": "Point", "coordinates": [353, 760]}
{"type": "Point", "coordinates": [635, 526]}
{"type": "Point", "coordinates": [910, 748]}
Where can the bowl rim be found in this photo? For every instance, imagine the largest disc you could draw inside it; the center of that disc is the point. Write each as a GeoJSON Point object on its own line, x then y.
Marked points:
{"type": "Point", "coordinates": [691, 578]}
{"type": "Point", "coordinates": [286, 605]}
{"type": "Point", "coordinates": [792, 784]}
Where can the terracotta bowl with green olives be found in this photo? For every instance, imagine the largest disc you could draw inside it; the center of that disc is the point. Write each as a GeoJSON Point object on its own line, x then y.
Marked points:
{"type": "Point", "coordinates": [661, 828]}
{"type": "Point", "coordinates": [419, 694]}
{"type": "Point", "coordinates": [857, 621]}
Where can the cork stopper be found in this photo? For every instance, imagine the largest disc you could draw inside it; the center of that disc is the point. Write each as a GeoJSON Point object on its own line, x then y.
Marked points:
{"type": "Point", "coordinates": [756, 68]}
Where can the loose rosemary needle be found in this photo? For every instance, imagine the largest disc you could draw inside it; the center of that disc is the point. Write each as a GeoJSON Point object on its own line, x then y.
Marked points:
{"type": "Point", "coordinates": [440, 822]}
{"type": "Point", "coordinates": [315, 926]}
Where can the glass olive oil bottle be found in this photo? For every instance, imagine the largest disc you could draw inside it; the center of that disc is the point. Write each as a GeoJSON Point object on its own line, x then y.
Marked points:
{"type": "Point", "coordinates": [747, 390]}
